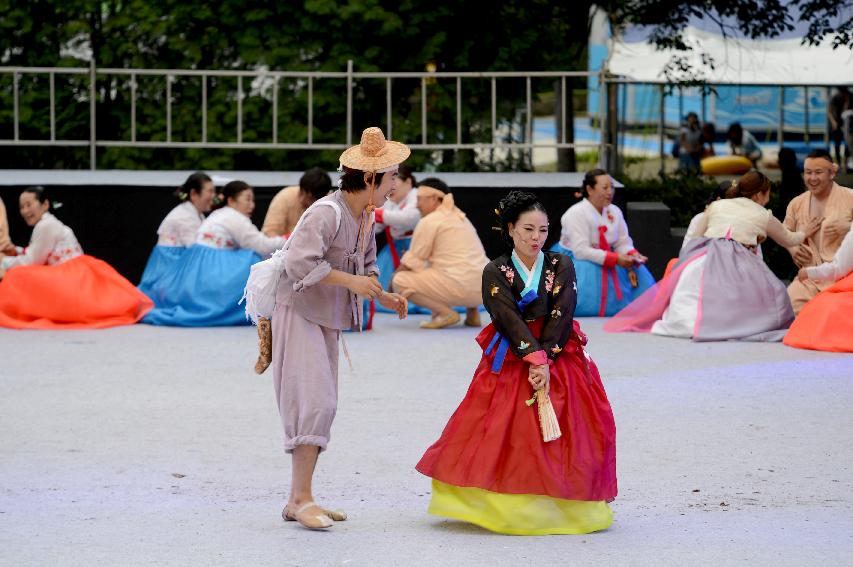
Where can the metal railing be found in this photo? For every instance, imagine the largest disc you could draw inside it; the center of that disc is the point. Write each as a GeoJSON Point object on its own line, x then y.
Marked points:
{"type": "Point", "coordinates": [308, 79]}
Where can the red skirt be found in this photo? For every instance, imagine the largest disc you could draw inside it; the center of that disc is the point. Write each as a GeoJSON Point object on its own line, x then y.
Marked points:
{"type": "Point", "coordinates": [82, 293]}
{"type": "Point", "coordinates": [493, 440]}
{"type": "Point", "coordinates": [825, 322]}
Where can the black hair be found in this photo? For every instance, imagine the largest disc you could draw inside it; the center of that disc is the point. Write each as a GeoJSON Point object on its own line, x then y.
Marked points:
{"type": "Point", "coordinates": [405, 172]}
{"type": "Point", "coordinates": [693, 114]}
{"type": "Point", "coordinates": [788, 159]}
{"type": "Point", "coordinates": [735, 132]}
{"type": "Point", "coordinates": [435, 183]}
{"type": "Point", "coordinates": [352, 181]}
{"type": "Point", "coordinates": [316, 182]}
{"type": "Point", "coordinates": [589, 179]}
{"type": "Point", "coordinates": [820, 153]}
{"type": "Point", "coordinates": [41, 194]}
{"type": "Point", "coordinates": [719, 192]}
{"type": "Point", "coordinates": [234, 188]}
{"type": "Point", "coordinates": [515, 204]}
{"type": "Point", "coordinates": [193, 184]}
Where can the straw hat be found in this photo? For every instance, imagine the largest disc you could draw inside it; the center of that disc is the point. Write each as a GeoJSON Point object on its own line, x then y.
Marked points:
{"type": "Point", "coordinates": [374, 152]}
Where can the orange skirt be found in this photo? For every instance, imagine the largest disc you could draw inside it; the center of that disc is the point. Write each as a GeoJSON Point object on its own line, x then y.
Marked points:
{"type": "Point", "coordinates": [826, 322]}
{"type": "Point", "coordinates": [82, 293]}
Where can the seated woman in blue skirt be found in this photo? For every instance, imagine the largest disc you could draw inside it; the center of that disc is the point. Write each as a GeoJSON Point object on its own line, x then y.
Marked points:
{"type": "Point", "coordinates": [610, 271]}
{"type": "Point", "coordinates": [397, 220]}
{"type": "Point", "coordinates": [177, 233]}
{"type": "Point", "coordinates": [205, 287]}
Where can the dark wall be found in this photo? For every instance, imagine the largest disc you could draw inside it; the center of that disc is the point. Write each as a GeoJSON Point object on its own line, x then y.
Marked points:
{"type": "Point", "coordinates": [118, 224]}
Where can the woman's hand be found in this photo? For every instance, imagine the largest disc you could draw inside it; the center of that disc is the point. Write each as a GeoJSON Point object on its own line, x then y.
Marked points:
{"type": "Point", "coordinates": [629, 260]}
{"type": "Point", "coordinates": [812, 227]}
{"type": "Point", "coordinates": [364, 286]}
{"type": "Point", "coordinates": [539, 377]}
{"type": "Point", "coordinates": [395, 302]}
{"type": "Point", "coordinates": [803, 275]}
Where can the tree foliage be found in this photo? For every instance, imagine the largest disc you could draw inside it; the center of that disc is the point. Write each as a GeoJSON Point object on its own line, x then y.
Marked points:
{"type": "Point", "coordinates": [317, 35]}
{"type": "Point", "coordinates": [824, 20]}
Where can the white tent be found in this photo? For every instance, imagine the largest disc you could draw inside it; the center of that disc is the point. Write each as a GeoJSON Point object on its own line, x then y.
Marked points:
{"type": "Point", "coordinates": [738, 60]}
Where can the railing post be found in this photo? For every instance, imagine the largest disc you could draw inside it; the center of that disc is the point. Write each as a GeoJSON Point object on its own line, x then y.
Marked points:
{"type": "Point", "coordinates": [806, 114]}
{"type": "Point", "coordinates": [661, 130]}
{"type": "Point", "coordinates": [349, 102]}
{"type": "Point", "coordinates": [240, 109]}
{"type": "Point", "coordinates": [93, 153]}
{"type": "Point", "coordinates": [494, 112]}
{"type": "Point", "coordinates": [52, 107]}
{"type": "Point", "coordinates": [15, 104]}
{"type": "Point", "coordinates": [133, 107]}
{"type": "Point", "coordinates": [388, 107]}
{"type": "Point", "coordinates": [602, 109]}
{"type": "Point", "coordinates": [275, 110]}
{"type": "Point", "coordinates": [311, 110]}
{"type": "Point", "coordinates": [168, 108]}
{"type": "Point", "coordinates": [423, 111]}
{"type": "Point", "coordinates": [528, 135]}
{"type": "Point", "coordinates": [458, 110]}
{"type": "Point", "coordinates": [780, 133]}
{"type": "Point", "coordinates": [204, 109]}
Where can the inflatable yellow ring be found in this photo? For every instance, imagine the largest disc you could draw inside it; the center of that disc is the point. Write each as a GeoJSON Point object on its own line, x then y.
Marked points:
{"type": "Point", "coordinates": [725, 165]}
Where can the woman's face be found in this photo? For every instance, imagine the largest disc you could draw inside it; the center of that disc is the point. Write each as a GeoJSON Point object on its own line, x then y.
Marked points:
{"type": "Point", "coordinates": [203, 200]}
{"type": "Point", "coordinates": [243, 202]}
{"type": "Point", "coordinates": [529, 233]}
{"type": "Point", "coordinates": [31, 209]}
{"type": "Point", "coordinates": [601, 194]}
{"type": "Point", "coordinates": [401, 189]}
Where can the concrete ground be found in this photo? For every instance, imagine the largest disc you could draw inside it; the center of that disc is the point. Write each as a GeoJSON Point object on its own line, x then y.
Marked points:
{"type": "Point", "coordinates": [158, 446]}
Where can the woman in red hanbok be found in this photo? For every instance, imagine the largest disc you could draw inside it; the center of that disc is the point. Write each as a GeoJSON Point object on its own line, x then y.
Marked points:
{"type": "Point", "coordinates": [491, 466]}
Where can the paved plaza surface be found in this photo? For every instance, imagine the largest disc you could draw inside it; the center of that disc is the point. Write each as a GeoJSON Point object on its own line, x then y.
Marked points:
{"type": "Point", "coordinates": [158, 446]}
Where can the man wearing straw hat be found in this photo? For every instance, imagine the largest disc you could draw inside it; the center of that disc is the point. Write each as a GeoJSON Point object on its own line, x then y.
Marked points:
{"type": "Point", "coordinates": [444, 265]}
{"type": "Point", "coordinates": [328, 268]}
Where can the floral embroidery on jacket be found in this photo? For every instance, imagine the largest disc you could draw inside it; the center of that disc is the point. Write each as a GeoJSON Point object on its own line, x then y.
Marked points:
{"type": "Point", "coordinates": [523, 345]}
{"type": "Point", "coordinates": [549, 281]}
{"type": "Point", "coordinates": [493, 291]}
{"type": "Point", "coordinates": [218, 241]}
{"type": "Point", "coordinates": [556, 313]}
{"type": "Point", "coordinates": [557, 289]}
{"type": "Point", "coordinates": [509, 273]}
{"type": "Point", "coordinates": [556, 350]}
{"type": "Point", "coordinates": [63, 254]}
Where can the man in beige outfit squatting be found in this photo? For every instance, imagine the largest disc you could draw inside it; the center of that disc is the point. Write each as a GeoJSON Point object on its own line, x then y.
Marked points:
{"type": "Point", "coordinates": [289, 203]}
{"type": "Point", "coordinates": [824, 199]}
{"type": "Point", "coordinates": [444, 266]}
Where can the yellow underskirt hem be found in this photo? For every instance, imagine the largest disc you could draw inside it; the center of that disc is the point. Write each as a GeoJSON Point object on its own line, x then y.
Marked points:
{"type": "Point", "coordinates": [519, 514]}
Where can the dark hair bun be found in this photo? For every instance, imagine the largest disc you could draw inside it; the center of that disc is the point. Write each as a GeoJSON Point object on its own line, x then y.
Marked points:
{"type": "Point", "coordinates": [516, 200]}
{"type": "Point", "coordinates": [513, 206]}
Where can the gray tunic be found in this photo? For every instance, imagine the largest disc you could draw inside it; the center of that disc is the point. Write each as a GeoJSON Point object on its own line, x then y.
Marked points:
{"type": "Point", "coordinates": [309, 316]}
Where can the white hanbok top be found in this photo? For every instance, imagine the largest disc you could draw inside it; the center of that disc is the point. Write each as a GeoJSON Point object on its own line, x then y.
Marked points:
{"type": "Point", "coordinates": [51, 243]}
{"type": "Point", "coordinates": [400, 217]}
{"type": "Point", "coordinates": [745, 221]}
{"type": "Point", "coordinates": [229, 229]}
{"type": "Point", "coordinates": [581, 233]}
{"type": "Point", "coordinates": [180, 226]}
{"type": "Point", "coordinates": [841, 265]}
{"type": "Point", "coordinates": [696, 229]}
